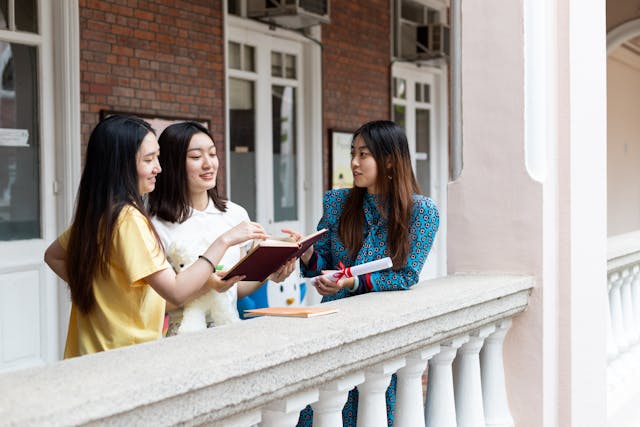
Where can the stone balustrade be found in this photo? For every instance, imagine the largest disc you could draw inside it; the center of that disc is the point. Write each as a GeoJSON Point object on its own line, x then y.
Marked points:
{"type": "Point", "coordinates": [623, 329]}
{"type": "Point", "coordinates": [264, 371]}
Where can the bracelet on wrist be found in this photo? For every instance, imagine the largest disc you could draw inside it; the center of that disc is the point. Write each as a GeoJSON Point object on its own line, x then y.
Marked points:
{"type": "Point", "coordinates": [213, 267]}
{"type": "Point", "coordinates": [356, 282]}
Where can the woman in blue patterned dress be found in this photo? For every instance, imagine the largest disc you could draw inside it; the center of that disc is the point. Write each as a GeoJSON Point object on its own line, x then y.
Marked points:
{"type": "Point", "coordinates": [383, 215]}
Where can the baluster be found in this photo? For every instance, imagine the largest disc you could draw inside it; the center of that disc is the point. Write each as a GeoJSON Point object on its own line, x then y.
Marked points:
{"type": "Point", "coordinates": [372, 403]}
{"type": "Point", "coordinates": [635, 297]}
{"type": "Point", "coordinates": [494, 391]}
{"type": "Point", "coordinates": [327, 411]}
{"type": "Point", "coordinates": [467, 382]}
{"type": "Point", "coordinates": [627, 308]}
{"type": "Point", "coordinates": [612, 348]}
{"type": "Point", "coordinates": [620, 367]}
{"type": "Point", "coordinates": [634, 285]}
{"type": "Point", "coordinates": [616, 312]}
{"type": "Point", "coordinates": [409, 401]}
{"type": "Point", "coordinates": [440, 409]}
{"type": "Point", "coordinates": [285, 412]}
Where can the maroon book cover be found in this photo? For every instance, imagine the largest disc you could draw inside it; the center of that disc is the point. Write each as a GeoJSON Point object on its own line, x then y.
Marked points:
{"type": "Point", "coordinates": [268, 256]}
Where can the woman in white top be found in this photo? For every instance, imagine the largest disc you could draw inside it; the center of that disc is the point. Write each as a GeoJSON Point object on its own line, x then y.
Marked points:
{"type": "Point", "coordinates": [187, 208]}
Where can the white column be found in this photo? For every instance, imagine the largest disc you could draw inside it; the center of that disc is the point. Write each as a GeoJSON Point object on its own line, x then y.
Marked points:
{"type": "Point", "coordinates": [440, 409]}
{"type": "Point", "coordinates": [285, 412]}
{"type": "Point", "coordinates": [372, 403]}
{"type": "Point", "coordinates": [494, 391]}
{"type": "Point", "coordinates": [409, 399]}
{"type": "Point", "coordinates": [467, 382]}
{"type": "Point", "coordinates": [327, 411]}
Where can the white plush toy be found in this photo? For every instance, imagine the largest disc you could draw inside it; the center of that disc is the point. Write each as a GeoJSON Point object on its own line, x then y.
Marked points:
{"type": "Point", "coordinates": [219, 305]}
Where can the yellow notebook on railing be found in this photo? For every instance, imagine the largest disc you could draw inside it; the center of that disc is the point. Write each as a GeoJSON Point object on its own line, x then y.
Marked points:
{"type": "Point", "coordinates": [290, 311]}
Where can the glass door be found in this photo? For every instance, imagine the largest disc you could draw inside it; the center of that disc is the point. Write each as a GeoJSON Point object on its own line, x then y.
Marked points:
{"type": "Point", "coordinates": [412, 110]}
{"type": "Point", "coordinates": [419, 106]}
{"type": "Point", "coordinates": [28, 300]}
{"type": "Point", "coordinates": [264, 172]}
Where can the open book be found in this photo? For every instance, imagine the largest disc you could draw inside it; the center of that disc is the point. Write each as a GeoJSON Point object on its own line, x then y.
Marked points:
{"type": "Point", "coordinates": [290, 311]}
{"type": "Point", "coordinates": [269, 255]}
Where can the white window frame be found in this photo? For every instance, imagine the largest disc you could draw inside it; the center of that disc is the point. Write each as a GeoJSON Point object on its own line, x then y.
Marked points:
{"type": "Point", "coordinates": [438, 150]}
{"type": "Point", "coordinates": [310, 114]}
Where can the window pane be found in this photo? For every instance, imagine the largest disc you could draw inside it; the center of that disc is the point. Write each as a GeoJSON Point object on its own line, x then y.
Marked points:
{"type": "Point", "coordinates": [399, 88]}
{"type": "Point", "coordinates": [26, 15]}
{"type": "Point", "coordinates": [285, 181]}
{"type": "Point", "coordinates": [4, 14]}
{"type": "Point", "coordinates": [19, 143]}
{"type": "Point", "coordinates": [233, 7]}
{"type": "Point", "coordinates": [423, 166]}
{"type": "Point", "coordinates": [423, 92]}
{"type": "Point", "coordinates": [412, 11]}
{"type": "Point", "coordinates": [249, 62]}
{"type": "Point", "coordinates": [399, 116]}
{"type": "Point", "coordinates": [290, 66]}
{"type": "Point", "coordinates": [234, 56]}
{"type": "Point", "coordinates": [433, 16]}
{"type": "Point", "coordinates": [408, 36]}
{"type": "Point", "coordinates": [276, 64]}
{"type": "Point", "coordinates": [318, 7]}
{"type": "Point", "coordinates": [242, 160]}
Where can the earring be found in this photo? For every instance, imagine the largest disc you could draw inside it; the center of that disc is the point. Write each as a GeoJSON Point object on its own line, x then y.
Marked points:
{"type": "Point", "coordinates": [389, 176]}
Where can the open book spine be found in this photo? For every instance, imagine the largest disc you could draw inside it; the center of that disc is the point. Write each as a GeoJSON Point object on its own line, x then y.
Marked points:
{"type": "Point", "coordinates": [307, 242]}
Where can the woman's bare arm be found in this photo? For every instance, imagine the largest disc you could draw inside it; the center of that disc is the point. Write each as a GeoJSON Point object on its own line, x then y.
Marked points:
{"type": "Point", "coordinates": [56, 258]}
{"type": "Point", "coordinates": [180, 288]}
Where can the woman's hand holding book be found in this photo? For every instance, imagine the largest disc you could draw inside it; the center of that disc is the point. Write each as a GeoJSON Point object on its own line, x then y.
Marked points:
{"type": "Point", "coordinates": [296, 237]}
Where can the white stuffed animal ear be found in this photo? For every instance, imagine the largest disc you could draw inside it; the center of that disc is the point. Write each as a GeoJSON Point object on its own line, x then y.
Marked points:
{"type": "Point", "coordinates": [179, 257]}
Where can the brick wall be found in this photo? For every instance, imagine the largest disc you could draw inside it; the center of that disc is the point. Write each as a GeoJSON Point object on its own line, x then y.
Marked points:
{"type": "Point", "coordinates": [155, 57]}
{"type": "Point", "coordinates": [356, 67]}
{"type": "Point", "coordinates": [166, 58]}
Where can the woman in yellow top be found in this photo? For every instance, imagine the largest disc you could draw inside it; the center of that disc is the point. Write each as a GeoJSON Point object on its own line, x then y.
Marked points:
{"type": "Point", "coordinates": [111, 255]}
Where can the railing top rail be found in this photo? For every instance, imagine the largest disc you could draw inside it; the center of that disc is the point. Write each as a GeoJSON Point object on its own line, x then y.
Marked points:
{"type": "Point", "coordinates": [623, 249]}
{"type": "Point", "coordinates": [226, 369]}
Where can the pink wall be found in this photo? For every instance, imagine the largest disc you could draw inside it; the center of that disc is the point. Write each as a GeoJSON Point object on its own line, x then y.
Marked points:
{"type": "Point", "coordinates": [501, 220]}
{"type": "Point", "coordinates": [495, 208]}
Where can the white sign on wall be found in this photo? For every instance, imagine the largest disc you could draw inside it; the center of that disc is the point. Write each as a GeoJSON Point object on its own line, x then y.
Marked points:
{"type": "Point", "coordinates": [14, 137]}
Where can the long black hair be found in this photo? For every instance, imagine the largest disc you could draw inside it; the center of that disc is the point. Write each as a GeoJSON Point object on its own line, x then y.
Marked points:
{"type": "Point", "coordinates": [395, 186]}
{"type": "Point", "coordinates": [171, 200]}
{"type": "Point", "coordinates": [109, 182]}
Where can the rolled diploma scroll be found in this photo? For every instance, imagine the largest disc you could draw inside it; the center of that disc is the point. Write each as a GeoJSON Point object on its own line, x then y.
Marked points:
{"type": "Point", "coordinates": [357, 270]}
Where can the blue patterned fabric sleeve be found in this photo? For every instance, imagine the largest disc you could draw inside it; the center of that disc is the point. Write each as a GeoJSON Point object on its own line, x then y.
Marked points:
{"type": "Point", "coordinates": [323, 259]}
{"type": "Point", "coordinates": [424, 226]}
